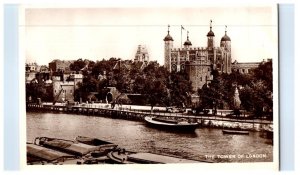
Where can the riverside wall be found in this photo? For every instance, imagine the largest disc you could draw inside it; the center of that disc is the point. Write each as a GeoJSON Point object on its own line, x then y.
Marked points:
{"type": "Point", "coordinates": [138, 114]}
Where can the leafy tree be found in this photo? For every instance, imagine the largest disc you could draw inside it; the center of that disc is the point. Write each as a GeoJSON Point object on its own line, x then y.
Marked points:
{"type": "Point", "coordinates": [103, 65]}
{"type": "Point", "coordinates": [180, 89]}
{"type": "Point", "coordinates": [77, 65]}
{"type": "Point", "coordinates": [139, 84]}
{"type": "Point", "coordinates": [39, 90]}
{"type": "Point", "coordinates": [89, 84]}
{"type": "Point", "coordinates": [155, 91]}
{"type": "Point", "coordinates": [264, 72]}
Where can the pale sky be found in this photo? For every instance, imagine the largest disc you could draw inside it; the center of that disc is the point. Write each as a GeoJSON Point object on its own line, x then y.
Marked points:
{"type": "Point", "coordinates": [97, 33]}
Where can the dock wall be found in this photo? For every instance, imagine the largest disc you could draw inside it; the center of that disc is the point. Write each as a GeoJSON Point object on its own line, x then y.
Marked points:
{"type": "Point", "coordinates": [138, 115]}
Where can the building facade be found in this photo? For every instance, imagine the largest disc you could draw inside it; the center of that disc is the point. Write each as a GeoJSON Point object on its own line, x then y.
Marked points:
{"type": "Point", "coordinates": [198, 62]}
{"type": "Point", "coordinates": [31, 67]}
{"type": "Point", "coordinates": [141, 54]}
{"type": "Point", "coordinates": [58, 65]}
{"type": "Point", "coordinates": [64, 90]}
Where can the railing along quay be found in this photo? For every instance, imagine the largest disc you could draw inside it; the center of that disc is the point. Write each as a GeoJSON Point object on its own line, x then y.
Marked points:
{"type": "Point", "coordinates": [130, 114]}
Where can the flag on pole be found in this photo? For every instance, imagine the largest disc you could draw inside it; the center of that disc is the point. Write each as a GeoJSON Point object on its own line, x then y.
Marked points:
{"type": "Point", "coordinates": [182, 28]}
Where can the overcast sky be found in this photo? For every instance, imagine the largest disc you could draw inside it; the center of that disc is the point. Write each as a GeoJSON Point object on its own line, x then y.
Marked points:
{"type": "Point", "coordinates": [97, 33]}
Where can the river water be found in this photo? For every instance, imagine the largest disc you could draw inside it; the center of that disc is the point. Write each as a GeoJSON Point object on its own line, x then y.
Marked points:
{"type": "Point", "coordinates": [204, 143]}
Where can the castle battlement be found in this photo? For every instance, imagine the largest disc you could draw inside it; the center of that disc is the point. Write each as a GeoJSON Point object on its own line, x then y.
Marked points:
{"type": "Point", "coordinates": [204, 59]}
{"type": "Point", "coordinates": [191, 48]}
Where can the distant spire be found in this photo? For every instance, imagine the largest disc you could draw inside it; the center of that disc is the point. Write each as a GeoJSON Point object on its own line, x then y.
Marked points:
{"type": "Point", "coordinates": [168, 28]}
{"type": "Point", "coordinates": [187, 35]}
{"type": "Point", "coordinates": [225, 29]}
{"type": "Point", "coordinates": [210, 25]}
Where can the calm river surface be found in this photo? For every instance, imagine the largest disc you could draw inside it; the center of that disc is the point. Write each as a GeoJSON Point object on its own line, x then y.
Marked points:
{"type": "Point", "coordinates": [204, 143]}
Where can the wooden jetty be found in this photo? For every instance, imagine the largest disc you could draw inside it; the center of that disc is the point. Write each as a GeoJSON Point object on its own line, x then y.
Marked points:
{"type": "Point", "coordinates": [128, 114]}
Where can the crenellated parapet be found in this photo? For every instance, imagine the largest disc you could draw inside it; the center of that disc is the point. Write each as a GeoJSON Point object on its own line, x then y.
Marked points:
{"type": "Point", "coordinates": [198, 62]}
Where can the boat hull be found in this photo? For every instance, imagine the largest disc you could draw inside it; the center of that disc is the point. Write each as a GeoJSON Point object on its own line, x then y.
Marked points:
{"type": "Point", "coordinates": [239, 132]}
{"type": "Point", "coordinates": [179, 127]}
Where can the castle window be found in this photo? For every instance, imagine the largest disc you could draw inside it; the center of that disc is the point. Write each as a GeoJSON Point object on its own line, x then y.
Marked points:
{"type": "Point", "coordinates": [200, 78]}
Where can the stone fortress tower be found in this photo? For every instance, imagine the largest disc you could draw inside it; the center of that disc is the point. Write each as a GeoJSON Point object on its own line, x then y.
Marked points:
{"type": "Point", "coordinates": [168, 46]}
{"type": "Point", "coordinates": [198, 62]}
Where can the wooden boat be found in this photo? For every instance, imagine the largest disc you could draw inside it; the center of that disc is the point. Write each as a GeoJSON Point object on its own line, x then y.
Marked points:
{"type": "Point", "coordinates": [232, 131]}
{"type": "Point", "coordinates": [81, 146]}
{"type": "Point", "coordinates": [85, 150]}
{"type": "Point", "coordinates": [121, 156]}
{"type": "Point", "coordinates": [104, 147]}
{"type": "Point", "coordinates": [171, 124]}
{"type": "Point", "coordinates": [92, 141]}
{"type": "Point", "coordinates": [38, 154]}
{"type": "Point", "coordinates": [82, 150]}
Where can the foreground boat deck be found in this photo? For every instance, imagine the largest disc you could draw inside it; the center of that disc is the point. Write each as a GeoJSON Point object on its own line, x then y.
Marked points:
{"type": "Point", "coordinates": [159, 158]}
{"type": "Point", "coordinates": [45, 151]}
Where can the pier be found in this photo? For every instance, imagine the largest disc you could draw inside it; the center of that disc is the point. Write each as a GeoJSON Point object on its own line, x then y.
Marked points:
{"type": "Point", "coordinates": [139, 114]}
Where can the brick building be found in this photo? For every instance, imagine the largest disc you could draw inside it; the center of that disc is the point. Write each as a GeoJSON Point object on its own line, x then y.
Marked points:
{"type": "Point", "coordinates": [245, 67]}
{"type": "Point", "coordinates": [58, 65]}
{"type": "Point", "coordinates": [64, 90]}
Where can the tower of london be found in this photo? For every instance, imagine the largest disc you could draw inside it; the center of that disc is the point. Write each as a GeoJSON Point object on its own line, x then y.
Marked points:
{"type": "Point", "coordinates": [198, 62]}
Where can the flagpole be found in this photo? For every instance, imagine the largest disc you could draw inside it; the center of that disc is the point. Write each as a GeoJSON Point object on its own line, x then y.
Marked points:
{"type": "Point", "coordinates": [181, 37]}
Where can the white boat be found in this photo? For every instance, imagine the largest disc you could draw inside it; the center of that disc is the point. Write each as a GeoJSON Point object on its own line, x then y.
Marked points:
{"type": "Point", "coordinates": [174, 125]}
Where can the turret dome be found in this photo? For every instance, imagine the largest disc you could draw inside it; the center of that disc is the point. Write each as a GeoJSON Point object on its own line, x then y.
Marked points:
{"type": "Point", "coordinates": [225, 37]}
{"type": "Point", "coordinates": [187, 42]}
{"type": "Point", "coordinates": [210, 33]}
{"type": "Point", "coordinates": [168, 37]}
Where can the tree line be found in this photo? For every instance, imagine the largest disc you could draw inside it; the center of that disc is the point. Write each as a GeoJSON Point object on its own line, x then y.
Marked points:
{"type": "Point", "coordinates": [255, 90]}
{"type": "Point", "coordinates": [152, 82]}
{"type": "Point", "coordinates": [159, 87]}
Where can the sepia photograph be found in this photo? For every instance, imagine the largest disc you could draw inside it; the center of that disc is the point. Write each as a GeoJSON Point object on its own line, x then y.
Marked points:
{"type": "Point", "coordinates": [150, 85]}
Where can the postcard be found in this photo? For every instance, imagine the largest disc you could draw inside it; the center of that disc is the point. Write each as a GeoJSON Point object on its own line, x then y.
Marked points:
{"type": "Point", "coordinates": [189, 86]}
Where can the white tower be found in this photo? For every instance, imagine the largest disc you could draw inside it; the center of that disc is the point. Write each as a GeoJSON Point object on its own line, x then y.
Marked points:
{"type": "Point", "coordinates": [168, 46]}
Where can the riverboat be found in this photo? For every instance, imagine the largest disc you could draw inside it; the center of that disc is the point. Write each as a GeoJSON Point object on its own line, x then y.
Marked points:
{"type": "Point", "coordinates": [171, 124]}
{"type": "Point", "coordinates": [233, 131]}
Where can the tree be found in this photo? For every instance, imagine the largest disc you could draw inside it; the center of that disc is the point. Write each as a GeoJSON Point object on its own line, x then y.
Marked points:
{"type": "Point", "coordinates": [180, 88]}
{"type": "Point", "coordinates": [257, 95]}
{"type": "Point", "coordinates": [206, 100]}
{"type": "Point", "coordinates": [103, 66]}
{"type": "Point", "coordinates": [264, 72]}
{"type": "Point", "coordinates": [155, 91]}
{"type": "Point", "coordinates": [77, 65]}
{"type": "Point", "coordinates": [39, 90]}
{"type": "Point", "coordinates": [89, 84]}
{"type": "Point", "coordinates": [153, 84]}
